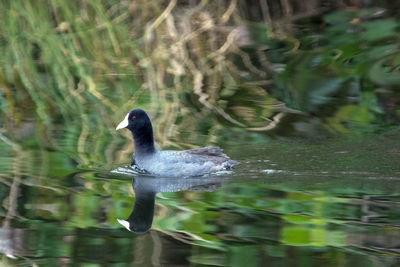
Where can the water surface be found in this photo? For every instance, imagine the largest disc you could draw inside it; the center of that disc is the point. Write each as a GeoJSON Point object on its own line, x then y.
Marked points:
{"type": "Point", "coordinates": [300, 202]}
{"type": "Point", "coordinates": [305, 96]}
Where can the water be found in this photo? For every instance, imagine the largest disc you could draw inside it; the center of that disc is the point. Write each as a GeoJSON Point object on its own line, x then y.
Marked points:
{"type": "Point", "coordinates": [291, 202]}
{"type": "Point", "coordinates": [309, 107]}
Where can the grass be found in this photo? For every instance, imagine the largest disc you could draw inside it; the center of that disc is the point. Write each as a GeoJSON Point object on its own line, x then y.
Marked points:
{"type": "Point", "coordinates": [78, 66]}
{"type": "Point", "coordinates": [74, 68]}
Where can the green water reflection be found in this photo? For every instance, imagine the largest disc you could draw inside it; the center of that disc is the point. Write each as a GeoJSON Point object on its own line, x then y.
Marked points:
{"type": "Point", "coordinates": [273, 207]}
{"type": "Point", "coordinates": [306, 99]}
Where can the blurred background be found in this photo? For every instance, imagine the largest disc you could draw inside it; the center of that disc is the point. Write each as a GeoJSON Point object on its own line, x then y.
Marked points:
{"type": "Point", "coordinates": [301, 87]}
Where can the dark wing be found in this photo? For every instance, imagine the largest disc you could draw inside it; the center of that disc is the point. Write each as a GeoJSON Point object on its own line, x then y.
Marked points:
{"type": "Point", "coordinates": [208, 151]}
{"type": "Point", "coordinates": [212, 152]}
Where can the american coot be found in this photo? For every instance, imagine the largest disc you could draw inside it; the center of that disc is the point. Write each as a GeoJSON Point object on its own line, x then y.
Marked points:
{"type": "Point", "coordinates": [193, 162]}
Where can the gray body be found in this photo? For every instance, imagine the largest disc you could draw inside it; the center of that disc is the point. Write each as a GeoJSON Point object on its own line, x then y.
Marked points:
{"type": "Point", "coordinates": [193, 162]}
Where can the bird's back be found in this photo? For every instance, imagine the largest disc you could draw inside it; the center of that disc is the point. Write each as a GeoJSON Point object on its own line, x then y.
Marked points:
{"type": "Point", "coordinates": [191, 162]}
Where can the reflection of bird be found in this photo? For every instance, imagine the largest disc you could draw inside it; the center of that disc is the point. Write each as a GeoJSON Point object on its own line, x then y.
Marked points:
{"type": "Point", "coordinates": [191, 162]}
{"type": "Point", "coordinates": [146, 188]}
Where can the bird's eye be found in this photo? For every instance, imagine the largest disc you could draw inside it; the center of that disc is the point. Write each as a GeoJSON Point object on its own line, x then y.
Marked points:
{"type": "Point", "coordinates": [133, 117]}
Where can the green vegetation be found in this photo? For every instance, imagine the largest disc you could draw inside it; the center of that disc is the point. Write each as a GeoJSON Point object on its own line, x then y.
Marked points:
{"type": "Point", "coordinates": [74, 68]}
{"type": "Point", "coordinates": [208, 72]}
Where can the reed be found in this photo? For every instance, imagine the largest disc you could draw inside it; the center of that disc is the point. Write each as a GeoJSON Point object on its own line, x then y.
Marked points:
{"type": "Point", "coordinates": [72, 69]}
{"type": "Point", "coordinates": [76, 67]}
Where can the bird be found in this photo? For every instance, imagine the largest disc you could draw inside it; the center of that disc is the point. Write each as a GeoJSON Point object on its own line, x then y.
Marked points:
{"type": "Point", "coordinates": [173, 163]}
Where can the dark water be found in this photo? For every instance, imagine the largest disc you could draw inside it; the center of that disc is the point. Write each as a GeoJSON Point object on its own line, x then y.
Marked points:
{"type": "Point", "coordinates": [310, 109]}
{"type": "Point", "coordinates": [330, 202]}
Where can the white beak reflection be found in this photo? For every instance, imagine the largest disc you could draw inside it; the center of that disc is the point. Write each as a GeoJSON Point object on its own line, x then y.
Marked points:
{"type": "Point", "coordinates": [124, 224]}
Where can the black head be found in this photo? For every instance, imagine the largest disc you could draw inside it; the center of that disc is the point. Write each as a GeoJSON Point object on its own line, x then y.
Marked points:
{"type": "Point", "coordinates": [135, 120]}
{"type": "Point", "coordinates": [139, 124]}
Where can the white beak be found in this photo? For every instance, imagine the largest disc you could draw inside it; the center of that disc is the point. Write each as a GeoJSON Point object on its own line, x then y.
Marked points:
{"type": "Point", "coordinates": [123, 123]}
{"type": "Point", "coordinates": [124, 224]}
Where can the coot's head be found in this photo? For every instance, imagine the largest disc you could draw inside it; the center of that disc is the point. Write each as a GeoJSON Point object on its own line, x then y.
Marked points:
{"type": "Point", "coordinates": [136, 119]}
